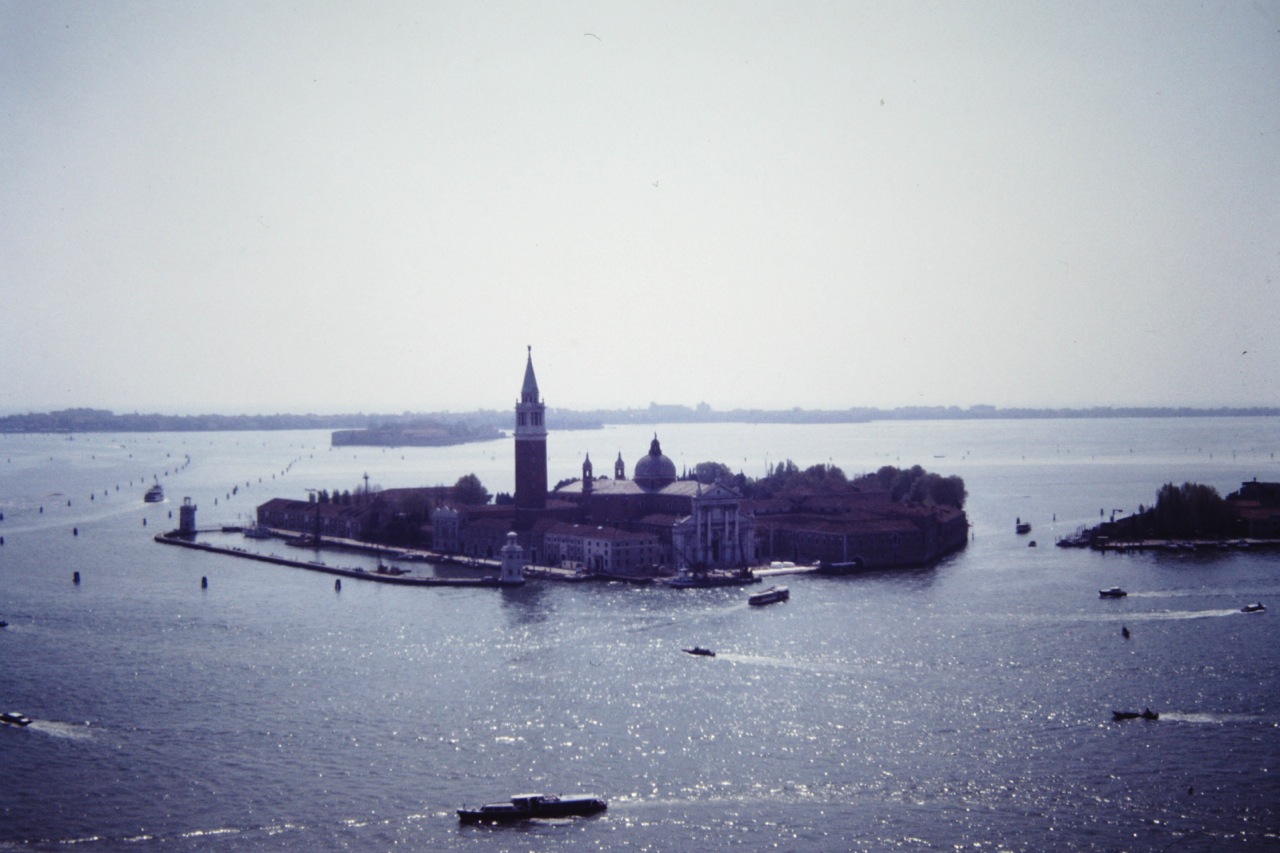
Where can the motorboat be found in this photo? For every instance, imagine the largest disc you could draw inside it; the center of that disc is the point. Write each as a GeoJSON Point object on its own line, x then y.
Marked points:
{"type": "Point", "coordinates": [769, 596]}
{"type": "Point", "coordinates": [13, 718]}
{"type": "Point", "coordinates": [1021, 526]}
{"type": "Point", "coordinates": [1113, 592]}
{"type": "Point", "coordinates": [699, 650]}
{"type": "Point", "coordinates": [1144, 714]}
{"type": "Point", "coordinates": [1256, 607]}
{"type": "Point", "coordinates": [530, 806]}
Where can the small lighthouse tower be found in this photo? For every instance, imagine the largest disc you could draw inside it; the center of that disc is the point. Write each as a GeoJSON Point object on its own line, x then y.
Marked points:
{"type": "Point", "coordinates": [187, 518]}
{"type": "Point", "coordinates": [512, 562]}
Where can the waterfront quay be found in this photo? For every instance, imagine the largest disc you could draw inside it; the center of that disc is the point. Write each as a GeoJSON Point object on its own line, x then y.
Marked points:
{"type": "Point", "coordinates": [1125, 545]}
{"type": "Point", "coordinates": [402, 577]}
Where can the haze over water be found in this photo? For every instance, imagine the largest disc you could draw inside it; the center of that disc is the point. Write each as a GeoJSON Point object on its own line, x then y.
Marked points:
{"type": "Point", "coordinates": [959, 705]}
{"type": "Point", "coordinates": [373, 207]}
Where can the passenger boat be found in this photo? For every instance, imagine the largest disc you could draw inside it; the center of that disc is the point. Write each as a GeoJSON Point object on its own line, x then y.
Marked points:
{"type": "Point", "coordinates": [769, 596]}
{"type": "Point", "coordinates": [154, 495]}
{"type": "Point", "coordinates": [1256, 607]}
{"type": "Point", "coordinates": [699, 650]}
{"type": "Point", "coordinates": [530, 806]}
{"type": "Point", "coordinates": [13, 718]}
{"type": "Point", "coordinates": [1113, 592]}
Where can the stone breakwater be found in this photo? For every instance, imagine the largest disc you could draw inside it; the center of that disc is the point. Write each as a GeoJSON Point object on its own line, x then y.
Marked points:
{"type": "Point", "coordinates": [391, 577]}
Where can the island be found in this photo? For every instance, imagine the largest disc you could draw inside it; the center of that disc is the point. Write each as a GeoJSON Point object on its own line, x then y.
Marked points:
{"type": "Point", "coordinates": [1189, 517]}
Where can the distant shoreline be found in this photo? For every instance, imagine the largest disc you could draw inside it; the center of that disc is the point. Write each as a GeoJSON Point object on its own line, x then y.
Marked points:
{"type": "Point", "coordinates": [484, 423]}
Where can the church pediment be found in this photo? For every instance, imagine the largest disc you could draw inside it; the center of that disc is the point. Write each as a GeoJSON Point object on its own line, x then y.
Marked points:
{"type": "Point", "coordinates": [719, 491]}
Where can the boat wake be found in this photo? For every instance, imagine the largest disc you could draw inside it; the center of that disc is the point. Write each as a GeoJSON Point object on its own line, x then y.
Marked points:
{"type": "Point", "coordinates": [1180, 614]}
{"type": "Point", "coordinates": [70, 731]}
{"type": "Point", "coordinates": [827, 668]}
{"type": "Point", "coordinates": [1207, 717]}
{"type": "Point", "coordinates": [1131, 616]}
{"type": "Point", "coordinates": [1251, 593]}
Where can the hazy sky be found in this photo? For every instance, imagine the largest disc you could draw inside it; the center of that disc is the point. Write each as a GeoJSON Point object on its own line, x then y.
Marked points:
{"type": "Point", "coordinates": [262, 207]}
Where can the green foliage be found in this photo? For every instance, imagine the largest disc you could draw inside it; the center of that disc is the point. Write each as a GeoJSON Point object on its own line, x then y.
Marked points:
{"type": "Point", "coordinates": [913, 484]}
{"type": "Point", "coordinates": [916, 485]}
{"type": "Point", "coordinates": [1191, 511]}
{"type": "Point", "coordinates": [709, 472]}
{"type": "Point", "coordinates": [469, 490]}
{"type": "Point", "coordinates": [787, 476]}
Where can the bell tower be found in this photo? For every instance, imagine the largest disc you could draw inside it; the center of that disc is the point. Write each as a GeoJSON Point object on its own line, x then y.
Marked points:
{"type": "Point", "coordinates": [531, 444]}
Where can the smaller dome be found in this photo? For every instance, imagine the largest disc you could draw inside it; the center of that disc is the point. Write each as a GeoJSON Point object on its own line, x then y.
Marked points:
{"type": "Point", "coordinates": [654, 471]}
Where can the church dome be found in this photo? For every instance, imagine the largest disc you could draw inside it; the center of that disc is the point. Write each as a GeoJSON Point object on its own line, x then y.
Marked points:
{"type": "Point", "coordinates": [654, 471]}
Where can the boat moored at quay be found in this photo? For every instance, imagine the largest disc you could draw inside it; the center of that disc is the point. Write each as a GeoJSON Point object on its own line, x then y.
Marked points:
{"type": "Point", "coordinates": [695, 580]}
{"type": "Point", "coordinates": [822, 567]}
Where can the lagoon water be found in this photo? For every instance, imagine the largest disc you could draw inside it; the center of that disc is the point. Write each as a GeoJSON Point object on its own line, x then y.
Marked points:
{"type": "Point", "coordinates": [962, 706]}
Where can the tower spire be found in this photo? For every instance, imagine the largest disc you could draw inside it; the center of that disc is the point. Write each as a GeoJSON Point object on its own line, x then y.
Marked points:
{"type": "Point", "coordinates": [529, 391]}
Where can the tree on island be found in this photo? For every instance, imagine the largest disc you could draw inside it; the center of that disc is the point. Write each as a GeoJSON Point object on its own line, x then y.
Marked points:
{"type": "Point", "coordinates": [917, 485]}
{"type": "Point", "coordinates": [469, 490]}
{"type": "Point", "coordinates": [1189, 511]}
{"type": "Point", "coordinates": [710, 472]}
{"type": "Point", "coordinates": [911, 485]}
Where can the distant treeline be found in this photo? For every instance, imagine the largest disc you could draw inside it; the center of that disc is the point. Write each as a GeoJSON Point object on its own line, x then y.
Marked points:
{"type": "Point", "coordinates": [101, 420]}
{"type": "Point", "coordinates": [702, 413]}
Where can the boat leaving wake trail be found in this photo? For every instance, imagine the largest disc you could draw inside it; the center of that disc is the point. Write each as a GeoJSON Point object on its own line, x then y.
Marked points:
{"type": "Point", "coordinates": [1177, 614]}
{"type": "Point", "coordinates": [790, 663]}
{"type": "Point", "coordinates": [1208, 717]}
{"type": "Point", "coordinates": [71, 731]}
